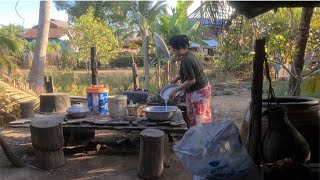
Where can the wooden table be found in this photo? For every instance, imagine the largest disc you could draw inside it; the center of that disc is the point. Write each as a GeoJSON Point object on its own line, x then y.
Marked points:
{"type": "Point", "coordinates": [105, 122]}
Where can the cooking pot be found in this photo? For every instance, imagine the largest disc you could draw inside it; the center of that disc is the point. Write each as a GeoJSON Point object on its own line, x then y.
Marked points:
{"type": "Point", "coordinates": [77, 111]}
{"type": "Point", "coordinates": [160, 113]}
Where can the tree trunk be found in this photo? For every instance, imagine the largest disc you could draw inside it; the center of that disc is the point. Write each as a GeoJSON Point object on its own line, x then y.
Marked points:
{"type": "Point", "coordinates": [300, 46]}
{"type": "Point", "coordinates": [36, 75]}
{"type": "Point", "coordinates": [146, 58]}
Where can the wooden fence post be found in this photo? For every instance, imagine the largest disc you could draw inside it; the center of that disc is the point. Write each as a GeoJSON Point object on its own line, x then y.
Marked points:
{"type": "Point", "coordinates": [48, 84]}
{"type": "Point", "coordinates": [254, 144]}
{"type": "Point", "coordinates": [135, 74]}
{"type": "Point", "coordinates": [94, 66]}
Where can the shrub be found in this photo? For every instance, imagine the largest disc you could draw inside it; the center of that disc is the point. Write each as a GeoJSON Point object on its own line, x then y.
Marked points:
{"type": "Point", "coordinates": [125, 61]}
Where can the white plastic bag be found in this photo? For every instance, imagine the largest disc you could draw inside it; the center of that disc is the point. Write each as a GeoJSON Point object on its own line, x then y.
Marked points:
{"type": "Point", "coordinates": [214, 151]}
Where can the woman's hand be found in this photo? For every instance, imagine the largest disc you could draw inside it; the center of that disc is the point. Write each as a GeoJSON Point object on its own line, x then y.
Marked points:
{"type": "Point", "coordinates": [172, 94]}
{"type": "Point", "coordinates": [175, 80]}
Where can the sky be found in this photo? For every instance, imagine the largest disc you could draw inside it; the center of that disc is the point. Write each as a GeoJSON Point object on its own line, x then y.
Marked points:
{"type": "Point", "coordinates": [29, 10]}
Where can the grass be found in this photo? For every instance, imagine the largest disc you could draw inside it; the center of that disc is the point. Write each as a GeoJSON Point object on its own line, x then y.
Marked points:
{"type": "Point", "coordinates": [280, 88]}
{"type": "Point", "coordinates": [76, 82]}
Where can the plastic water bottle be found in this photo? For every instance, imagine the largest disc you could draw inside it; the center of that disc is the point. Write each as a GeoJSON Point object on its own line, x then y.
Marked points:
{"type": "Point", "coordinates": [131, 103]}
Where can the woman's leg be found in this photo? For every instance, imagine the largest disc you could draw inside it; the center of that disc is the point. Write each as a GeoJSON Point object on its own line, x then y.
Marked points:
{"type": "Point", "coordinates": [199, 106]}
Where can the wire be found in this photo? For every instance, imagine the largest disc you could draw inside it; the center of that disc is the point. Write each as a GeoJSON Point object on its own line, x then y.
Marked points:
{"type": "Point", "coordinates": [19, 14]}
{"type": "Point", "coordinates": [22, 31]}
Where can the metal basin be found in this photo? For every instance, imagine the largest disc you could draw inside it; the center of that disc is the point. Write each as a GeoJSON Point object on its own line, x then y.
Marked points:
{"type": "Point", "coordinates": [160, 113]}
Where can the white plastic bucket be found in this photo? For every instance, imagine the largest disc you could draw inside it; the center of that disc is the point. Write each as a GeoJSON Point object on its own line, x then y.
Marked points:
{"type": "Point", "coordinates": [117, 105]}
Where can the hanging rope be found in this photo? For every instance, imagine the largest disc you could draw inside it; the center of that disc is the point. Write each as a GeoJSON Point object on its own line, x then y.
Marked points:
{"type": "Point", "coordinates": [271, 94]}
{"type": "Point", "coordinates": [22, 31]}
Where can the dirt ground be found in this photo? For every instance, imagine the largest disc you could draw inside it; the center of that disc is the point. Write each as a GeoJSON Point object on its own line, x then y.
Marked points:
{"type": "Point", "coordinates": [120, 162]}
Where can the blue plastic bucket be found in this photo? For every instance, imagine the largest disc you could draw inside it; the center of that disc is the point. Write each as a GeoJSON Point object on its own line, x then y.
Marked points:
{"type": "Point", "coordinates": [97, 99]}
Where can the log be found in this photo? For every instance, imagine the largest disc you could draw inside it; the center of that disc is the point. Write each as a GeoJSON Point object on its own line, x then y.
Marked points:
{"type": "Point", "coordinates": [47, 141]}
{"type": "Point", "coordinates": [151, 156]}
{"type": "Point", "coordinates": [26, 109]}
{"type": "Point", "coordinates": [9, 153]}
{"type": "Point", "coordinates": [54, 102]}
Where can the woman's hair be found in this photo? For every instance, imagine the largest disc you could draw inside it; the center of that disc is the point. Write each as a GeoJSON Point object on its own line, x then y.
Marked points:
{"type": "Point", "coordinates": [179, 42]}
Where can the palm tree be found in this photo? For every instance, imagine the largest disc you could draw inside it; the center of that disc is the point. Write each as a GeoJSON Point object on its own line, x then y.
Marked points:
{"type": "Point", "coordinates": [9, 46]}
{"type": "Point", "coordinates": [144, 14]}
{"type": "Point", "coordinates": [178, 23]}
{"type": "Point", "coordinates": [36, 75]}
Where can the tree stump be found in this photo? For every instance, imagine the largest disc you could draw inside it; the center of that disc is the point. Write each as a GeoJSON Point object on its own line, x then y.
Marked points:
{"type": "Point", "coordinates": [26, 109]}
{"type": "Point", "coordinates": [47, 140]}
{"type": "Point", "coordinates": [151, 156]}
{"type": "Point", "coordinates": [54, 102]}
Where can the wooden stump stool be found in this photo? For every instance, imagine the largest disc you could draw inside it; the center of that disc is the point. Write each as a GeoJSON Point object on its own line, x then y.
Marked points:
{"type": "Point", "coordinates": [54, 102]}
{"type": "Point", "coordinates": [47, 140]}
{"type": "Point", "coordinates": [151, 156]}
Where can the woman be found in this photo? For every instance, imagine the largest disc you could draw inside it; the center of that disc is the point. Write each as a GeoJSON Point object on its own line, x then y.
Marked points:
{"type": "Point", "coordinates": [194, 82]}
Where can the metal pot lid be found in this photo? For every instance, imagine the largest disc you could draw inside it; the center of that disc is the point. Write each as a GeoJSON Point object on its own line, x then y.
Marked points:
{"type": "Point", "coordinates": [78, 108]}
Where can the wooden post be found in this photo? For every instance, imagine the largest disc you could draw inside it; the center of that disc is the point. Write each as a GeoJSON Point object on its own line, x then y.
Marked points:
{"type": "Point", "coordinates": [151, 156]}
{"type": "Point", "coordinates": [47, 140]}
{"type": "Point", "coordinates": [159, 75]}
{"type": "Point", "coordinates": [135, 74]}
{"type": "Point", "coordinates": [26, 109]}
{"type": "Point", "coordinates": [254, 144]}
{"type": "Point", "coordinates": [167, 147]}
{"type": "Point", "coordinates": [94, 66]}
{"type": "Point", "coordinates": [48, 84]}
{"type": "Point", "coordinates": [168, 72]}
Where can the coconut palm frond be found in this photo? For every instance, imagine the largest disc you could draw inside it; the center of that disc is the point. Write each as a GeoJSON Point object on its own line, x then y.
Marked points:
{"type": "Point", "coordinates": [6, 43]}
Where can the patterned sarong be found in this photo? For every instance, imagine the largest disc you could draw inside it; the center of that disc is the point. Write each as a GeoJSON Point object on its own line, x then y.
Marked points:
{"type": "Point", "coordinates": [199, 106]}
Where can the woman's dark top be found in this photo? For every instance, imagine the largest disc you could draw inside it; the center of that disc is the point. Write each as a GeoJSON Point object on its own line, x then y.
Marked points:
{"type": "Point", "coordinates": [191, 68]}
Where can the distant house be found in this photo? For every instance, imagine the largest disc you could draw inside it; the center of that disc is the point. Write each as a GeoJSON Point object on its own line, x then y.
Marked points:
{"type": "Point", "coordinates": [57, 33]}
{"type": "Point", "coordinates": [208, 47]}
{"type": "Point", "coordinates": [130, 45]}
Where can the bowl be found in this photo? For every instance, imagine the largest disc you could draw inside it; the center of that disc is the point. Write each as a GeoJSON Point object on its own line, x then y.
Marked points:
{"type": "Point", "coordinates": [160, 113]}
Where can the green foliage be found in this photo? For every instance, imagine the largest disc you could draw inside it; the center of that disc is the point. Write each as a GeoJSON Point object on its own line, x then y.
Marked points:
{"type": "Point", "coordinates": [125, 61]}
{"type": "Point", "coordinates": [280, 88]}
{"type": "Point", "coordinates": [178, 23]}
{"type": "Point", "coordinates": [112, 13]}
{"type": "Point", "coordinates": [314, 35]}
{"type": "Point", "coordinates": [311, 86]}
{"type": "Point", "coordinates": [89, 31]}
{"type": "Point", "coordinates": [11, 46]}
{"type": "Point", "coordinates": [76, 83]}
{"type": "Point", "coordinates": [53, 48]}
{"type": "Point", "coordinates": [68, 59]}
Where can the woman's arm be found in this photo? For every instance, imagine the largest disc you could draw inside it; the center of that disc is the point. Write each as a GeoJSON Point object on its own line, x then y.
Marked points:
{"type": "Point", "coordinates": [183, 86]}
